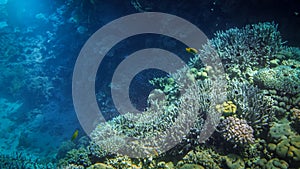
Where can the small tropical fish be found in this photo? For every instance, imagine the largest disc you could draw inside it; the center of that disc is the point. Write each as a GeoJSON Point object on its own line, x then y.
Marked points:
{"type": "Point", "coordinates": [74, 136]}
{"type": "Point", "coordinates": [191, 50]}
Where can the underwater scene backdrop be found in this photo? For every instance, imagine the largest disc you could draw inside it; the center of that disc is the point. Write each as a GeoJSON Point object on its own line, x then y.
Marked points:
{"type": "Point", "coordinates": [256, 120]}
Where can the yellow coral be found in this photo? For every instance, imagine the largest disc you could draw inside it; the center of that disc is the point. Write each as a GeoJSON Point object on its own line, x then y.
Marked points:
{"type": "Point", "coordinates": [227, 108]}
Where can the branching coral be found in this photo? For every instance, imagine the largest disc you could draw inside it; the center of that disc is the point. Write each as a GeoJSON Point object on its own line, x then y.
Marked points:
{"type": "Point", "coordinates": [253, 45]}
{"type": "Point", "coordinates": [252, 104]}
{"type": "Point", "coordinates": [150, 129]}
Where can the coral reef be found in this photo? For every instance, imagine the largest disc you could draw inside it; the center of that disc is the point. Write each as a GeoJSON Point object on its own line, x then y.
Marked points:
{"type": "Point", "coordinates": [284, 142]}
{"type": "Point", "coordinates": [123, 162]}
{"type": "Point", "coordinates": [111, 136]}
{"type": "Point", "coordinates": [252, 46]}
{"type": "Point", "coordinates": [283, 79]}
{"type": "Point", "coordinates": [234, 161]}
{"type": "Point", "coordinates": [257, 111]}
{"type": "Point", "coordinates": [237, 131]}
{"type": "Point", "coordinates": [205, 158]}
{"type": "Point", "coordinates": [295, 119]}
{"type": "Point", "coordinates": [277, 163]}
{"type": "Point", "coordinates": [19, 160]}
{"type": "Point", "coordinates": [77, 157]}
{"type": "Point", "coordinates": [252, 105]}
{"type": "Point", "coordinates": [227, 108]}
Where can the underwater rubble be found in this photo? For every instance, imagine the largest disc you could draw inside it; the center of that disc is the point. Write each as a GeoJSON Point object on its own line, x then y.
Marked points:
{"type": "Point", "coordinates": [259, 115]}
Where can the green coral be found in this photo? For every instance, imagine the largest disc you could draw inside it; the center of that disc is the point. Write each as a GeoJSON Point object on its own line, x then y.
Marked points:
{"type": "Point", "coordinates": [290, 53]}
{"type": "Point", "coordinates": [282, 148]}
{"type": "Point", "coordinates": [100, 166]}
{"type": "Point", "coordinates": [76, 156]}
{"type": "Point", "coordinates": [195, 74]}
{"type": "Point", "coordinates": [273, 163]}
{"type": "Point", "coordinates": [292, 63]}
{"type": "Point", "coordinates": [191, 166]}
{"type": "Point", "coordinates": [205, 157]}
{"type": "Point", "coordinates": [64, 148]}
{"type": "Point", "coordinates": [295, 119]}
{"type": "Point", "coordinates": [276, 163]}
{"type": "Point", "coordinates": [124, 162]}
{"type": "Point", "coordinates": [234, 161]}
{"type": "Point", "coordinates": [284, 142]}
{"type": "Point", "coordinates": [289, 148]}
{"type": "Point", "coordinates": [281, 78]}
{"type": "Point", "coordinates": [168, 86]}
{"type": "Point", "coordinates": [280, 131]}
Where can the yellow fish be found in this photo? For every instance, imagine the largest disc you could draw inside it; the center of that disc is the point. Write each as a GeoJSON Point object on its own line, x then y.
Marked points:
{"type": "Point", "coordinates": [74, 136]}
{"type": "Point", "coordinates": [191, 50]}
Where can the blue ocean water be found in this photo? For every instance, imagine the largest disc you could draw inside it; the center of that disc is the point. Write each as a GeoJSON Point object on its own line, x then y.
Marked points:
{"type": "Point", "coordinates": [41, 40]}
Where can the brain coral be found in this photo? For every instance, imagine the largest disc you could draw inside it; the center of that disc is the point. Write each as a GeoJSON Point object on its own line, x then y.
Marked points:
{"type": "Point", "coordinates": [281, 78]}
